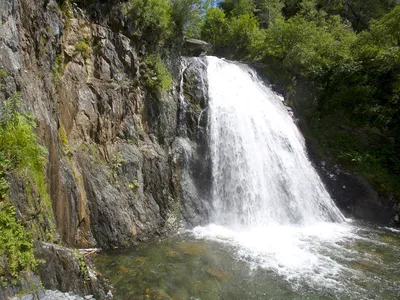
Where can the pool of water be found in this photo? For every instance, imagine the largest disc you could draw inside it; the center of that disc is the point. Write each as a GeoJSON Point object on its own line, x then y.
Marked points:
{"type": "Point", "coordinates": [324, 261]}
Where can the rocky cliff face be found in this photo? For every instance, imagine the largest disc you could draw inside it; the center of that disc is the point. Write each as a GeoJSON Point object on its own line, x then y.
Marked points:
{"type": "Point", "coordinates": [112, 171]}
{"type": "Point", "coordinates": [117, 151]}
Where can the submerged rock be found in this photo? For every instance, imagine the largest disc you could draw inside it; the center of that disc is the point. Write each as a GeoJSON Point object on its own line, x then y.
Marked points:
{"type": "Point", "coordinates": [216, 274]}
{"type": "Point", "coordinates": [156, 294]}
{"type": "Point", "coordinates": [191, 248]}
{"type": "Point", "coordinates": [140, 259]}
{"type": "Point", "coordinates": [171, 253]}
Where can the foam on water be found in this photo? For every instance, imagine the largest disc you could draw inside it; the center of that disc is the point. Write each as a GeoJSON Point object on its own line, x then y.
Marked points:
{"type": "Point", "coordinates": [298, 253]}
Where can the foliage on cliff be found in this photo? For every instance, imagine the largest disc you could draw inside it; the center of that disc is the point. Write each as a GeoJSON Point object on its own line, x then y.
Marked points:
{"type": "Point", "coordinates": [150, 20]}
{"type": "Point", "coordinates": [346, 52]}
{"type": "Point", "coordinates": [15, 244]}
{"type": "Point", "coordinates": [20, 156]}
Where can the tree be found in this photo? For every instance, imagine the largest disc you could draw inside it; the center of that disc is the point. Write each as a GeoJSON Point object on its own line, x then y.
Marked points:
{"type": "Point", "coordinates": [235, 8]}
{"type": "Point", "coordinates": [215, 27]}
{"type": "Point", "coordinates": [150, 20]}
{"type": "Point", "coordinates": [187, 17]}
{"type": "Point", "coordinates": [358, 12]}
{"type": "Point", "coordinates": [245, 36]}
{"type": "Point", "coordinates": [268, 10]}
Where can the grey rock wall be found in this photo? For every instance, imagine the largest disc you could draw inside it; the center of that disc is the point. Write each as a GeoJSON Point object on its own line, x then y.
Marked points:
{"type": "Point", "coordinates": [109, 171]}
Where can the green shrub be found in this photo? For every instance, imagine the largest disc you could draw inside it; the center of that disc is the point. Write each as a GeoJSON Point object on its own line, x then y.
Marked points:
{"type": "Point", "coordinates": [245, 36]}
{"type": "Point", "coordinates": [150, 20]}
{"type": "Point", "coordinates": [65, 148]}
{"type": "Point", "coordinates": [134, 186]}
{"type": "Point", "coordinates": [186, 15]}
{"type": "Point", "coordinates": [3, 73]}
{"type": "Point", "coordinates": [267, 11]}
{"type": "Point", "coordinates": [215, 27]}
{"type": "Point", "coordinates": [66, 11]}
{"type": "Point", "coordinates": [236, 37]}
{"type": "Point", "coordinates": [4, 185]}
{"type": "Point", "coordinates": [15, 243]}
{"type": "Point", "coordinates": [21, 155]}
{"type": "Point", "coordinates": [58, 68]}
{"type": "Point", "coordinates": [82, 264]}
{"type": "Point", "coordinates": [157, 76]}
{"type": "Point", "coordinates": [308, 48]}
{"type": "Point", "coordinates": [18, 141]}
{"type": "Point", "coordinates": [235, 8]}
{"type": "Point", "coordinates": [83, 48]}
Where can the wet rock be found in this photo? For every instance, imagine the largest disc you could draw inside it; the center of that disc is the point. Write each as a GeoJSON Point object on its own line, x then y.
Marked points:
{"type": "Point", "coordinates": [354, 195]}
{"type": "Point", "coordinates": [190, 150]}
{"type": "Point", "coordinates": [91, 109]}
{"type": "Point", "coordinates": [26, 282]}
{"type": "Point", "coordinates": [63, 270]}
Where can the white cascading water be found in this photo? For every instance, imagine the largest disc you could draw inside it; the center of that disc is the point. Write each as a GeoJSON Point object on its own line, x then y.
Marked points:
{"type": "Point", "coordinates": [261, 173]}
{"type": "Point", "coordinates": [268, 200]}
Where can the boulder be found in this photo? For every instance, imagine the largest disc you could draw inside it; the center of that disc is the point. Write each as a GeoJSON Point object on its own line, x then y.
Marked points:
{"type": "Point", "coordinates": [193, 47]}
{"type": "Point", "coordinates": [65, 270]}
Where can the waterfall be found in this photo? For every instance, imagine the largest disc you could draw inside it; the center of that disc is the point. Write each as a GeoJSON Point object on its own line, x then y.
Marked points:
{"type": "Point", "coordinates": [267, 200]}
{"type": "Point", "coordinates": [261, 172]}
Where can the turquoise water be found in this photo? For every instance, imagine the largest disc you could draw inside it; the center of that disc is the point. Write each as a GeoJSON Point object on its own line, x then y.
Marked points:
{"type": "Point", "coordinates": [359, 262]}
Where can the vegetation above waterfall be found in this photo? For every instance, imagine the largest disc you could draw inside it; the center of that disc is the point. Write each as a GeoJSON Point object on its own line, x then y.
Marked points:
{"type": "Point", "coordinates": [339, 62]}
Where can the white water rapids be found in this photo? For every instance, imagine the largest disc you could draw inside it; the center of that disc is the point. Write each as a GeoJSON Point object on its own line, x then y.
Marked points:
{"type": "Point", "coordinates": [267, 199]}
